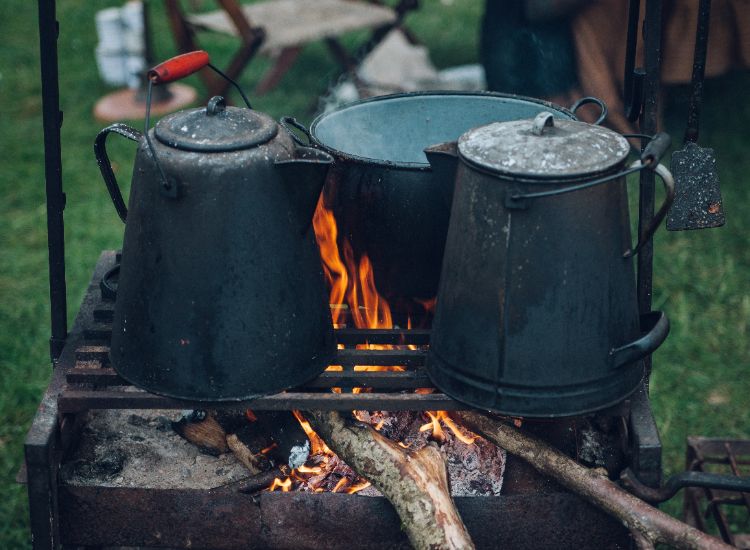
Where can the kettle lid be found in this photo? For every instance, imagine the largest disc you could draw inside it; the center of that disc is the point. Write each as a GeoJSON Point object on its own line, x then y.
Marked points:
{"type": "Point", "coordinates": [216, 128]}
{"type": "Point", "coordinates": [543, 147]}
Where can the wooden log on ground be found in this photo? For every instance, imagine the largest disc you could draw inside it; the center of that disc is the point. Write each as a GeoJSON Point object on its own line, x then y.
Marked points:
{"type": "Point", "coordinates": [415, 483]}
{"type": "Point", "coordinates": [652, 524]}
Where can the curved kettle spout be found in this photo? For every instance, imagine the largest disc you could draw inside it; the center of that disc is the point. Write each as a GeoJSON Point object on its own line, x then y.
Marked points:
{"type": "Point", "coordinates": [303, 177]}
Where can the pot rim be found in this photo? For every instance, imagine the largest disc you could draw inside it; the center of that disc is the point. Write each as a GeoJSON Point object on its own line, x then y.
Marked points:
{"type": "Point", "coordinates": [416, 166]}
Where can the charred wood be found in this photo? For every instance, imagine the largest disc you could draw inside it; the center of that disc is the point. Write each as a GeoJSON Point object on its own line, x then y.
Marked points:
{"type": "Point", "coordinates": [652, 525]}
{"type": "Point", "coordinates": [415, 482]}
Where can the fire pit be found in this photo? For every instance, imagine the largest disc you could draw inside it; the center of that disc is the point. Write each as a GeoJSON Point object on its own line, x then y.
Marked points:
{"type": "Point", "coordinates": [79, 497]}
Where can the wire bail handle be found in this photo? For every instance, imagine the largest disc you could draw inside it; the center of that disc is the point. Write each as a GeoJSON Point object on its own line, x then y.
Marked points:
{"type": "Point", "coordinates": [170, 70]}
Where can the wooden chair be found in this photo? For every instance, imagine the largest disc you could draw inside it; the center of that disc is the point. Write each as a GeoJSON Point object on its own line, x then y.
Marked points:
{"type": "Point", "coordinates": [280, 29]}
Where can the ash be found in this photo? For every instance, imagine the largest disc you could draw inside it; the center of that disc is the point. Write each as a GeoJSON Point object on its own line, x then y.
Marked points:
{"type": "Point", "coordinates": [135, 448]}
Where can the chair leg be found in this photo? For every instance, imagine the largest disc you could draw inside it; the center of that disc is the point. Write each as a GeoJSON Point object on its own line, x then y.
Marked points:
{"type": "Point", "coordinates": [186, 42]}
{"type": "Point", "coordinates": [281, 65]}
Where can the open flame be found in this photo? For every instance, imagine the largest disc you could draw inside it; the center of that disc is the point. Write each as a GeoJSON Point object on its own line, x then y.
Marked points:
{"type": "Point", "coordinates": [353, 292]}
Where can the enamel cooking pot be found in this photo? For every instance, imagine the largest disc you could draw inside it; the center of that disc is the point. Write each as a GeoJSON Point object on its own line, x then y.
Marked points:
{"type": "Point", "coordinates": [537, 310]}
{"type": "Point", "coordinates": [381, 188]}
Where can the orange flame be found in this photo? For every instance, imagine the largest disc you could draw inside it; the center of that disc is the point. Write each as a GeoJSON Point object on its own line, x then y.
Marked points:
{"type": "Point", "coordinates": [317, 445]}
{"type": "Point", "coordinates": [326, 233]}
{"type": "Point", "coordinates": [437, 432]}
{"type": "Point", "coordinates": [340, 485]}
{"type": "Point", "coordinates": [285, 485]}
{"type": "Point", "coordinates": [358, 487]}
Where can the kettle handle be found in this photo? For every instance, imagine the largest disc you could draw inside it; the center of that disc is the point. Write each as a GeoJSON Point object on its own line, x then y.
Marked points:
{"type": "Point", "coordinates": [100, 150]}
{"type": "Point", "coordinates": [654, 328]}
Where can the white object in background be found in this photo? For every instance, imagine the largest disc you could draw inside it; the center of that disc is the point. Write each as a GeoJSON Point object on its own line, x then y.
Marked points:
{"type": "Point", "coordinates": [396, 65]}
{"type": "Point", "coordinates": [467, 78]}
{"type": "Point", "coordinates": [111, 66]}
{"type": "Point", "coordinates": [132, 26]}
{"type": "Point", "coordinates": [109, 30]}
{"type": "Point", "coordinates": [119, 54]}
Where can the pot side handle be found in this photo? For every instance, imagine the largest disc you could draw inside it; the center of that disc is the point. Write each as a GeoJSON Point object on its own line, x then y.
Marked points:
{"type": "Point", "coordinates": [100, 150]}
{"type": "Point", "coordinates": [587, 100]}
{"type": "Point", "coordinates": [655, 328]}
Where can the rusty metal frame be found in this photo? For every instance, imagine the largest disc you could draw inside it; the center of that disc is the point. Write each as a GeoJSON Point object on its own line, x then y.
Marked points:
{"type": "Point", "coordinates": [92, 516]}
{"type": "Point", "coordinates": [706, 454]}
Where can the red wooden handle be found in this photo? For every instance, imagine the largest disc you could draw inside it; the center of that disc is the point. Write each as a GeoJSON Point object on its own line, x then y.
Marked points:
{"type": "Point", "coordinates": [178, 67]}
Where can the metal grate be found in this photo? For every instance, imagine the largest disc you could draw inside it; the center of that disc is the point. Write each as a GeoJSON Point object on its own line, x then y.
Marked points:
{"type": "Point", "coordinates": [91, 383]}
{"type": "Point", "coordinates": [730, 510]}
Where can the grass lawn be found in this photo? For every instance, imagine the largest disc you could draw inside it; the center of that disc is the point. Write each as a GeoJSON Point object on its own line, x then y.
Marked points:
{"type": "Point", "coordinates": [699, 384]}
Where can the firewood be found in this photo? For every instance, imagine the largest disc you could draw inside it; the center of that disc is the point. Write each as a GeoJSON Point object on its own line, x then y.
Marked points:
{"type": "Point", "coordinates": [651, 526]}
{"type": "Point", "coordinates": [202, 430]}
{"type": "Point", "coordinates": [415, 482]}
{"type": "Point", "coordinates": [251, 461]}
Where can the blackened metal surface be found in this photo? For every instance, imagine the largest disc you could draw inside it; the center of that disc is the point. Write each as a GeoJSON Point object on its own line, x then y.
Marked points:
{"type": "Point", "coordinates": [215, 128]}
{"type": "Point", "coordinates": [652, 31]}
{"type": "Point", "coordinates": [679, 481]}
{"type": "Point", "coordinates": [77, 400]}
{"type": "Point", "coordinates": [644, 441]}
{"type": "Point", "coordinates": [542, 148]}
{"type": "Point", "coordinates": [536, 301]}
{"type": "Point", "coordinates": [224, 520]}
{"type": "Point", "coordinates": [385, 198]}
{"type": "Point", "coordinates": [221, 294]}
{"type": "Point", "coordinates": [44, 440]}
{"type": "Point", "coordinates": [699, 203]}
{"type": "Point", "coordinates": [53, 117]}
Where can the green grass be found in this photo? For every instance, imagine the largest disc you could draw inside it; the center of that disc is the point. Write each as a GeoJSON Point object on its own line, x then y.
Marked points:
{"type": "Point", "coordinates": [699, 383]}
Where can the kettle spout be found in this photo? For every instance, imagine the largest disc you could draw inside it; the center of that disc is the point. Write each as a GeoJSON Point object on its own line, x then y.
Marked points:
{"type": "Point", "coordinates": [443, 159]}
{"type": "Point", "coordinates": [303, 177]}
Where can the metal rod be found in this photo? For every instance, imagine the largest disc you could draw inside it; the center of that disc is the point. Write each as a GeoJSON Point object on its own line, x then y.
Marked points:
{"type": "Point", "coordinates": [52, 119]}
{"type": "Point", "coordinates": [652, 30]}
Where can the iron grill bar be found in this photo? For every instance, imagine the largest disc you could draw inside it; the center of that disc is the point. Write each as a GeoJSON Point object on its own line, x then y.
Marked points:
{"type": "Point", "coordinates": [78, 400]}
{"type": "Point", "coordinates": [86, 373]}
{"type": "Point", "coordinates": [388, 377]}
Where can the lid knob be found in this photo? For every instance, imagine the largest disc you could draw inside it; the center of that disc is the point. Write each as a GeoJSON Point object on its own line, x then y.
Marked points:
{"type": "Point", "coordinates": [216, 105]}
{"type": "Point", "coordinates": [541, 121]}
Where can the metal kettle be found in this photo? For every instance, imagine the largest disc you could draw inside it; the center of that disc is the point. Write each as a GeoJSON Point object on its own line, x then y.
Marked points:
{"type": "Point", "coordinates": [536, 312]}
{"type": "Point", "coordinates": [221, 294]}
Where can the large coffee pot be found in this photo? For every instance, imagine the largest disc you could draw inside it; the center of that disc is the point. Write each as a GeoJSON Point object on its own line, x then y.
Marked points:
{"type": "Point", "coordinates": [537, 311]}
{"type": "Point", "coordinates": [221, 293]}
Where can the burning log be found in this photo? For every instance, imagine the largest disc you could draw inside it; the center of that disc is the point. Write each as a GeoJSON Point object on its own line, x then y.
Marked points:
{"type": "Point", "coordinates": [415, 482]}
{"type": "Point", "coordinates": [649, 525]}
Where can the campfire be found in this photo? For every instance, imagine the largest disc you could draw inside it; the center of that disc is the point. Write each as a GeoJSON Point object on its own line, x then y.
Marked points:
{"type": "Point", "coordinates": [354, 299]}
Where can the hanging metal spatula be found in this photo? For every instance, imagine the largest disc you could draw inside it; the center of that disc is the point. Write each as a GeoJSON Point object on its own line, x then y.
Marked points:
{"type": "Point", "coordinates": [697, 203]}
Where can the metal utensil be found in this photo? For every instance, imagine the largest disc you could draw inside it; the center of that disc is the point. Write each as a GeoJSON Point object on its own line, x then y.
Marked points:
{"type": "Point", "coordinates": [698, 203]}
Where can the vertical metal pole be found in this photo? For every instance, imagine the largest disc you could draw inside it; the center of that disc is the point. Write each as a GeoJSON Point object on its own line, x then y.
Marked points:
{"type": "Point", "coordinates": [48, 31]}
{"type": "Point", "coordinates": [652, 30]}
